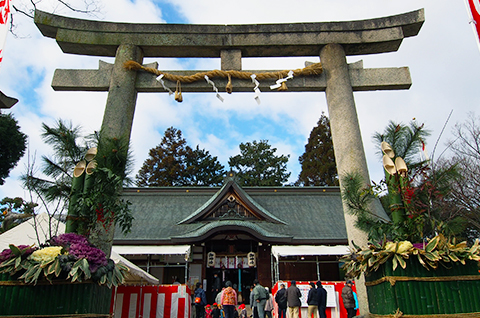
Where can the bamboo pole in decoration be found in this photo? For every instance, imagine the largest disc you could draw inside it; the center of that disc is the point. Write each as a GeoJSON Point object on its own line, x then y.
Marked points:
{"type": "Point", "coordinates": [396, 179]}
{"type": "Point", "coordinates": [395, 198]}
{"type": "Point", "coordinates": [89, 181]}
{"type": "Point", "coordinates": [77, 188]}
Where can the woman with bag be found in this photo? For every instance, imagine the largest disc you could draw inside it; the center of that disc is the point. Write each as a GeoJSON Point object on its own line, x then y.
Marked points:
{"type": "Point", "coordinates": [200, 300]}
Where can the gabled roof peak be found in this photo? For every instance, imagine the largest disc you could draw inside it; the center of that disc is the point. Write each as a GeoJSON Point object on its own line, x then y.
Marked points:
{"type": "Point", "coordinates": [231, 202]}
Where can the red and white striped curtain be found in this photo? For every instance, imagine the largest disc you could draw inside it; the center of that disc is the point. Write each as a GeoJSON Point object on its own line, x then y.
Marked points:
{"type": "Point", "coordinates": [163, 301]}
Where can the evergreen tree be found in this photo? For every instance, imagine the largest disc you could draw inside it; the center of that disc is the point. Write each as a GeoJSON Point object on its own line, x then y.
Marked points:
{"type": "Point", "coordinates": [166, 165]}
{"type": "Point", "coordinates": [57, 168]}
{"type": "Point", "coordinates": [257, 165]}
{"type": "Point", "coordinates": [174, 163]}
{"type": "Point", "coordinates": [318, 160]}
{"type": "Point", "coordinates": [203, 169]}
{"type": "Point", "coordinates": [12, 145]}
{"type": "Point", "coordinates": [405, 140]}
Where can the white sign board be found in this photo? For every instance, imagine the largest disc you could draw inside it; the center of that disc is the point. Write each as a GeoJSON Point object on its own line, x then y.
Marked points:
{"type": "Point", "coordinates": [331, 295]}
{"type": "Point", "coordinates": [304, 290]}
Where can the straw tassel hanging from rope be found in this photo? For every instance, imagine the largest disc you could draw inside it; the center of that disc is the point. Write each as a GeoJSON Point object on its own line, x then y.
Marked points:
{"type": "Point", "coordinates": [283, 87]}
{"type": "Point", "coordinates": [178, 92]}
{"type": "Point", "coordinates": [229, 87]}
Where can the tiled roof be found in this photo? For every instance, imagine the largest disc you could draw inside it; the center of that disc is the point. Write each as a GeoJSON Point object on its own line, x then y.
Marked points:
{"type": "Point", "coordinates": [312, 215]}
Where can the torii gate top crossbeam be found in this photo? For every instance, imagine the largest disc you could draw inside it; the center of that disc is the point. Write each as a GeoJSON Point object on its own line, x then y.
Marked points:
{"type": "Point", "coordinates": [85, 37]}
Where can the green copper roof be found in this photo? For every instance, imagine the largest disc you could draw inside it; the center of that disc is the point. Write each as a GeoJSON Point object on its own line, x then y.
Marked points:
{"type": "Point", "coordinates": [307, 215]}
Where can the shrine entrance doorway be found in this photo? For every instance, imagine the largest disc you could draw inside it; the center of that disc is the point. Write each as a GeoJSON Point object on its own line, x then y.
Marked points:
{"type": "Point", "coordinates": [231, 263]}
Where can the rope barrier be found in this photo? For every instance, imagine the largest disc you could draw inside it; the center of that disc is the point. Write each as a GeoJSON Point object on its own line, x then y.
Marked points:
{"type": "Point", "coordinates": [280, 76]}
{"type": "Point", "coordinates": [313, 69]}
{"type": "Point", "coordinates": [393, 279]}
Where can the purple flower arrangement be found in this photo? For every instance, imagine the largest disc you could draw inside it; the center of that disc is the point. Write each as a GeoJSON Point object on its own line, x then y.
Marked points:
{"type": "Point", "coordinates": [94, 256]}
{"type": "Point", "coordinates": [7, 253]}
{"type": "Point", "coordinates": [67, 257]}
{"type": "Point", "coordinates": [67, 239]}
{"type": "Point", "coordinates": [78, 246]}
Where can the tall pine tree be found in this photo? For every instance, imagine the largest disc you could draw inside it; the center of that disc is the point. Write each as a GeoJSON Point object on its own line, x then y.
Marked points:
{"type": "Point", "coordinates": [257, 165]}
{"type": "Point", "coordinates": [318, 161]}
{"type": "Point", "coordinates": [203, 169]}
{"type": "Point", "coordinates": [174, 163]}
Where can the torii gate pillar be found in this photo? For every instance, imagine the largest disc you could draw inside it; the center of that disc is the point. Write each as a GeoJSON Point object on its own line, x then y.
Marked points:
{"type": "Point", "coordinates": [122, 94]}
{"type": "Point", "coordinates": [346, 137]}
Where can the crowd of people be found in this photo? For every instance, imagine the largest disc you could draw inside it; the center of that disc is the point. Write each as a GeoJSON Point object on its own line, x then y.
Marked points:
{"type": "Point", "coordinates": [261, 301]}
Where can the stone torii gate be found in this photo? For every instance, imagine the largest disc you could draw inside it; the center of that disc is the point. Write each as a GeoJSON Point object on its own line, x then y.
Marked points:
{"type": "Point", "coordinates": [331, 41]}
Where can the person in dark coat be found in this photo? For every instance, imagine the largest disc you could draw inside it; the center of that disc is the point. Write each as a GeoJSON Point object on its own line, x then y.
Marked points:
{"type": "Point", "coordinates": [348, 299]}
{"type": "Point", "coordinates": [322, 300]}
{"type": "Point", "coordinates": [281, 300]}
{"type": "Point", "coordinates": [293, 300]}
{"type": "Point", "coordinates": [200, 300]}
{"type": "Point", "coordinates": [312, 301]}
{"type": "Point", "coordinates": [216, 286]}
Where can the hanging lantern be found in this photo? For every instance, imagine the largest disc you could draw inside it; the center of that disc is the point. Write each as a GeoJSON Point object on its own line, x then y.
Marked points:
{"type": "Point", "coordinates": [211, 259]}
{"type": "Point", "coordinates": [251, 259]}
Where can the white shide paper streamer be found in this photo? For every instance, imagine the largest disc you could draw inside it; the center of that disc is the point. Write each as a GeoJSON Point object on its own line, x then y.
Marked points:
{"type": "Point", "coordinates": [280, 81]}
{"type": "Point", "coordinates": [214, 87]}
{"type": "Point", "coordinates": [160, 79]}
{"type": "Point", "coordinates": [256, 89]}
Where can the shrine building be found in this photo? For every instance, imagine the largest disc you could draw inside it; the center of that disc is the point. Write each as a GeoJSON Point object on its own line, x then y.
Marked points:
{"type": "Point", "coordinates": [240, 233]}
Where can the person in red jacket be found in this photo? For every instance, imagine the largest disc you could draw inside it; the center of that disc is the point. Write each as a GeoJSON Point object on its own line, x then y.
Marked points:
{"type": "Point", "coordinates": [208, 311]}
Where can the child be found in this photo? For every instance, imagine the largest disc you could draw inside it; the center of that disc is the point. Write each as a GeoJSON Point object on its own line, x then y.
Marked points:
{"type": "Point", "coordinates": [222, 312]}
{"type": "Point", "coordinates": [208, 311]}
{"type": "Point", "coordinates": [215, 311]}
{"type": "Point", "coordinates": [243, 311]}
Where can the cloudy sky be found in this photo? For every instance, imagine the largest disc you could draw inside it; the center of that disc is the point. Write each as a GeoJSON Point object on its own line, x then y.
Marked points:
{"type": "Point", "coordinates": [444, 62]}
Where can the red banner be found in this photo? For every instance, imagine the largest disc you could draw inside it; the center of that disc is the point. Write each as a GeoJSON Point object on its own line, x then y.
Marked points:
{"type": "Point", "coordinates": [4, 14]}
{"type": "Point", "coordinates": [474, 8]}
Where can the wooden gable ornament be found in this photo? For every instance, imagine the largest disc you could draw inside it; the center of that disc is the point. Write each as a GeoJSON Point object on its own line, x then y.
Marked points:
{"type": "Point", "coordinates": [231, 202]}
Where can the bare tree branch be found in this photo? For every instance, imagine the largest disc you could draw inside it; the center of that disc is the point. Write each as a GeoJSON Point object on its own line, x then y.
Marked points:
{"type": "Point", "coordinates": [30, 15]}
